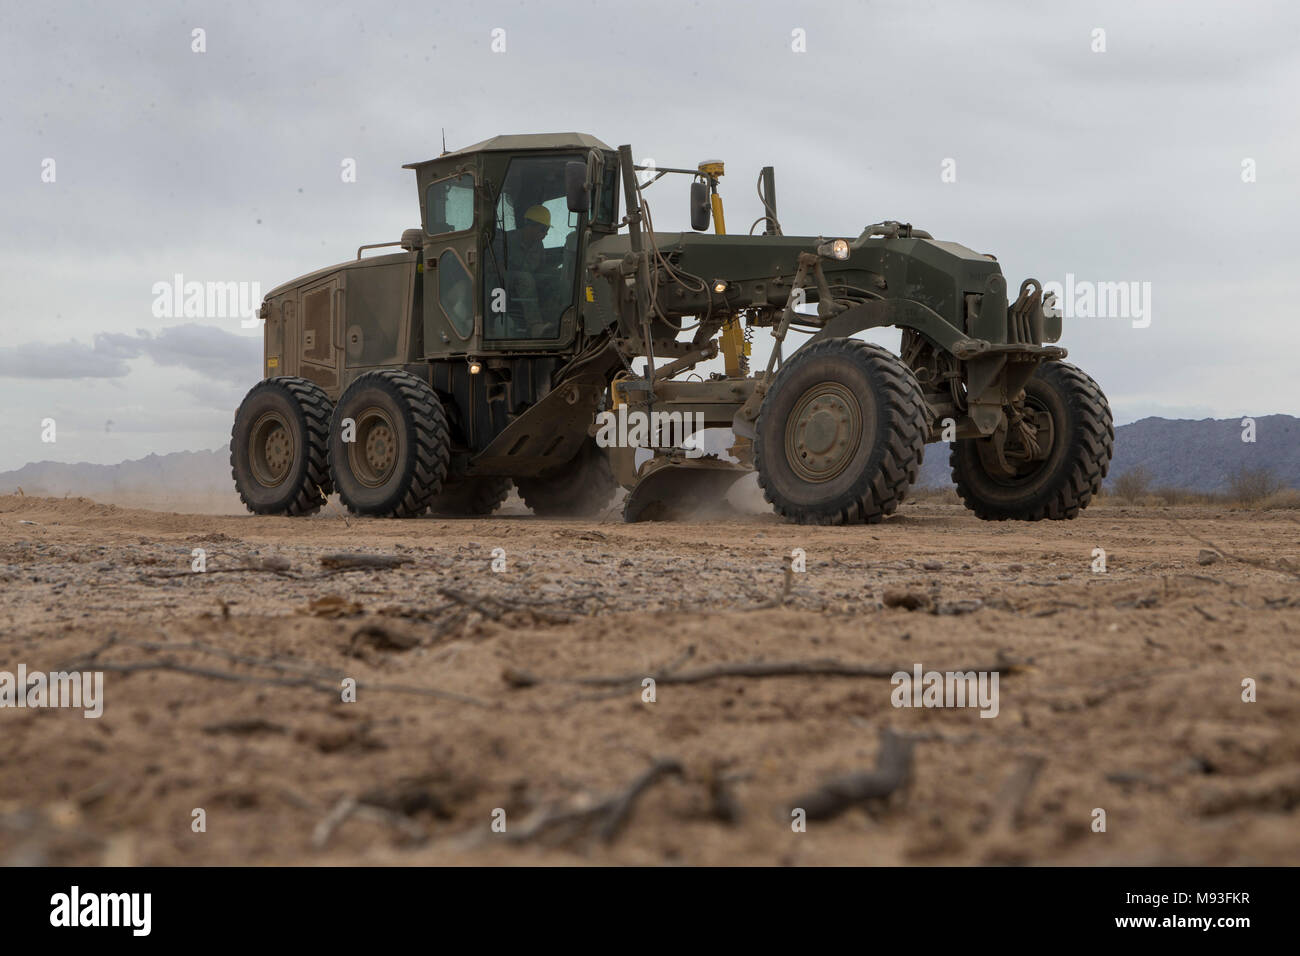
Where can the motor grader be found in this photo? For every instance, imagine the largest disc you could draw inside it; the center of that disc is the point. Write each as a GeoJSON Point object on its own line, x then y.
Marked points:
{"type": "Point", "coordinates": [536, 296]}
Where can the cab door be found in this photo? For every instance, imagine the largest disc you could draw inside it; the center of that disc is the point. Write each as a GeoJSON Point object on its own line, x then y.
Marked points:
{"type": "Point", "coordinates": [530, 257]}
{"type": "Point", "coordinates": [450, 267]}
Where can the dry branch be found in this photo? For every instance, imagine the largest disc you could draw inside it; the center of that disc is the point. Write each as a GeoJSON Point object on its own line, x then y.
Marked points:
{"type": "Point", "coordinates": [517, 677]}
{"type": "Point", "coordinates": [609, 816]}
{"type": "Point", "coordinates": [348, 562]}
{"type": "Point", "coordinates": [317, 680]}
{"type": "Point", "coordinates": [1016, 789]}
{"type": "Point", "coordinates": [332, 821]}
{"type": "Point", "coordinates": [893, 768]}
{"type": "Point", "coordinates": [474, 602]}
{"type": "Point", "coordinates": [248, 569]}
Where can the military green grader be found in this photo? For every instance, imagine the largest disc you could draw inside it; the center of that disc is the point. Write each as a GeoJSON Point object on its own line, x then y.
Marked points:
{"type": "Point", "coordinates": [536, 303]}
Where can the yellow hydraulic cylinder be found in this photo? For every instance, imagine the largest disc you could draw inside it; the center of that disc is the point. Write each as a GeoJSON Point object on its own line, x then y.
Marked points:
{"type": "Point", "coordinates": [733, 346]}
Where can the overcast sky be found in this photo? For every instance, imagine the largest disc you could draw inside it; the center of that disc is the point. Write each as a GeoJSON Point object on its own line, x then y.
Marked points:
{"type": "Point", "coordinates": [225, 166]}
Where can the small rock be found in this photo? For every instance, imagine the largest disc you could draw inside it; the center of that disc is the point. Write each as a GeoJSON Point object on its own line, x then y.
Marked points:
{"type": "Point", "coordinates": [1206, 556]}
{"type": "Point", "coordinates": [933, 566]}
{"type": "Point", "coordinates": [909, 600]}
{"type": "Point", "coordinates": [383, 638]}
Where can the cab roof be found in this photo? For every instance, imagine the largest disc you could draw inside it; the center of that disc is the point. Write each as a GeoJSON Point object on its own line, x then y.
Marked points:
{"type": "Point", "coordinates": [520, 141]}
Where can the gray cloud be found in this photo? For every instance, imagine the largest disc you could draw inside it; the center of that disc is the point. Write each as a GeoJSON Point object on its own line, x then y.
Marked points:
{"type": "Point", "coordinates": [225, 165]}
{"type": "Point", "coordinates": [205, 349]}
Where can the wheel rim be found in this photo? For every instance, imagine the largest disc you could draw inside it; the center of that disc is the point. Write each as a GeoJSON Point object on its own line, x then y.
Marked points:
{"type": "Point", "coordinates": [373, 455]}
{"type": "Point", "coordinates": [823, 432]}
{"type": "Point", "coordinates": [271, 449]}
{"type": "Point", "coordinates": [1026, 469]}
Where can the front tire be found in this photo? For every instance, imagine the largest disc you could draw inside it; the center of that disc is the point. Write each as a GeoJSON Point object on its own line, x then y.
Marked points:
{"type": "Point", "coordinates": [840, 435]}
{"type": "Point", "coordinates": [279, 447]}
{"type": "Point", "coordinates": [396, 460]}
{"type": "Point", "coordinates": [1061, 485]}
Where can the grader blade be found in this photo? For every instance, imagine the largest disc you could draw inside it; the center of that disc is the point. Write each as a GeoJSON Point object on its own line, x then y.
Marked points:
{"type": "Point", "coordinates": [673, 489]}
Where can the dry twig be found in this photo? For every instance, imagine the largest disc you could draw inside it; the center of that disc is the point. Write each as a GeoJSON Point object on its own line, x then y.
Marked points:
{"type": "Point", "coordinates": [893, 768]}
{"type": "Point", "coordinates": [609, 816]}
{"type": "Point", "coordinates": [349, 562]}
{"type": "Point", "coordinates": [517, 677]}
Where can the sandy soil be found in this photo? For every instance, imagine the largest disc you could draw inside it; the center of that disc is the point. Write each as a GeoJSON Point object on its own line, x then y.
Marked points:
{"type": "Point", "coordinates": [1124, 689]}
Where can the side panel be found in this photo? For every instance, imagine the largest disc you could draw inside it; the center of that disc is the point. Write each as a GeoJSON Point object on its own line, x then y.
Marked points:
{"type": "Point", "coordinates": [320, 339]}
{"type": "Point", "coordinates": [377, 304]}
{"type": "Point", "coordinates": [343, 321]}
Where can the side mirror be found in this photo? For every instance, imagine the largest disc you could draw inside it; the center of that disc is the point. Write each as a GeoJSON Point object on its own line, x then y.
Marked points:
{"type": "Point", "coordinates": [575, 185]}
{"type": "Point", "coordinates": [701, 209]}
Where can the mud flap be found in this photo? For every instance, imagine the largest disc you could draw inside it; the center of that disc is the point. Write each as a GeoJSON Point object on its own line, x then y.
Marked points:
{"type": "Point", "coordinates": [675, 488]}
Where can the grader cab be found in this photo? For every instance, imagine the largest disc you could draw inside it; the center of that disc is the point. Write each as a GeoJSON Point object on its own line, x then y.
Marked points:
{"type": "Point", "coordinates": [536, 306]}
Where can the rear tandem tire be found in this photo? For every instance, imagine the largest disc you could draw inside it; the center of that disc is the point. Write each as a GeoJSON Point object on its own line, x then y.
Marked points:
{"type": "Point", "coordinates": [1062, 485]}
{"type": "Point", "coordinates": [398, 459]}
{"type": "Point", "coordinates": [279, 447]}
{"type": "Point", "coordinates": [840, 434]}
{"type": "Point", "coordinates": [580, 488]}
{"type": "Point", "coordinates": [470, 496]}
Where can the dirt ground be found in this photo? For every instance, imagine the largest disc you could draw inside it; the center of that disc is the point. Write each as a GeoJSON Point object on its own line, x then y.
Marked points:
{"type": "Point", "coordinates": [223, 691]}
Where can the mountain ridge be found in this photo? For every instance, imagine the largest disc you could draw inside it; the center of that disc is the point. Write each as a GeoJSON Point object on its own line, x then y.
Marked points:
{"type": "Point", "coordinates": [1190, 454]}
{"type": "Point", "coordinates": [1193, 454]}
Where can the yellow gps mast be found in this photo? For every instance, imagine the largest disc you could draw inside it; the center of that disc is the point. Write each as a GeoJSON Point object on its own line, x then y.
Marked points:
{"type": "Point", "coordinates": [712, 169]}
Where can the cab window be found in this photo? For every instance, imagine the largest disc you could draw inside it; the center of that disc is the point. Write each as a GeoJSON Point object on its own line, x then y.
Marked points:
{"type": "Point", "coordinates": [449, 205]}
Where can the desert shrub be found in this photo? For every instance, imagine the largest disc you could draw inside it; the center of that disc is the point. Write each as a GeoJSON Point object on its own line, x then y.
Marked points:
{"type": "Point", "coordinates": [1132, 485]}
{"type": "Point", "coordinates": [1250, 485]}
{"type": "Point", "coordinates": [1181, 496]}
{"type": "Point", "coordinates": [1286, 498]}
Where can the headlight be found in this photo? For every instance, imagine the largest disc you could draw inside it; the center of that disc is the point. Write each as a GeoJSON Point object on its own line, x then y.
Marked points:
{"type": "Point", "coordinates": [836, 249]}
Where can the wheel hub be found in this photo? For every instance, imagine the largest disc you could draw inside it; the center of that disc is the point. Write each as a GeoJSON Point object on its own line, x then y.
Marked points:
{"type": "Point", "coordinates": [374, 454]}
{"type": "Point", "coordinates": [823, 432]}
{"type": "Point", "coordinates": [1018, 463]}
{"type": "Point", "coordinates": [270, 449]}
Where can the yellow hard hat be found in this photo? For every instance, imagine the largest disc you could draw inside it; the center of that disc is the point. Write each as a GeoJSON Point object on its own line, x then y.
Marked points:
{"type": "Point", "coordinates": [539, 214]}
